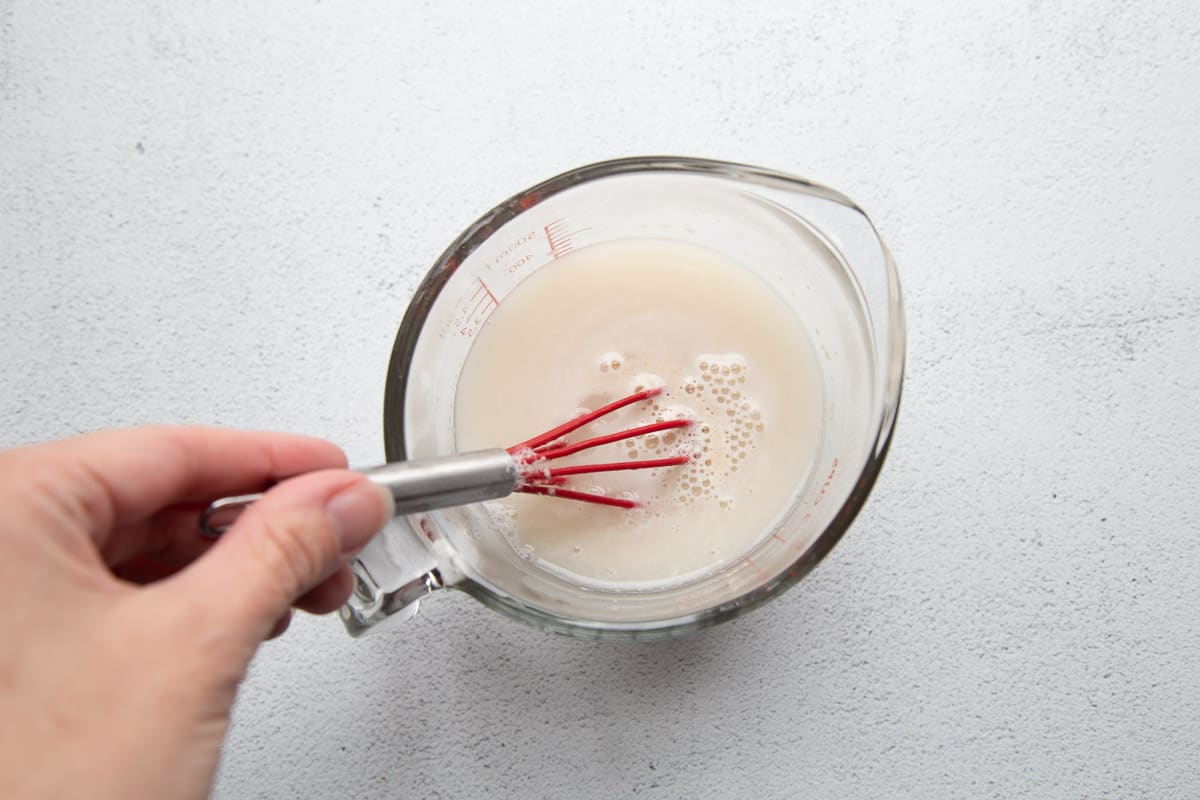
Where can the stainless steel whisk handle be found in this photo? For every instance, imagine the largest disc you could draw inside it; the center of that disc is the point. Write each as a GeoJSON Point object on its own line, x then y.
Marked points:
{"type": "Point", "coordinates": [418, 485]}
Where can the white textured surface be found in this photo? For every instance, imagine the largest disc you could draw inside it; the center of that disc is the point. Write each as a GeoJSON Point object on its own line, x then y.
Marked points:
{"type": "Point", "coordinates": [217, 214]}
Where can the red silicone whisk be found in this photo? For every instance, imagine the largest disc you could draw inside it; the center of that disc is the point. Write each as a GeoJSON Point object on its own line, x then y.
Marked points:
{"type": "Point", "coordinates": [425, 484]}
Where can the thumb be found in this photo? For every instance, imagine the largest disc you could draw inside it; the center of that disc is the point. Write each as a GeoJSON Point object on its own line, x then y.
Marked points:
{"type": "Point", "coordinates": [297, 535]}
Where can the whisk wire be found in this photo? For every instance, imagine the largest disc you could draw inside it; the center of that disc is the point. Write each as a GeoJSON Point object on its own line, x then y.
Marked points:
{"type": "Point", "coordinates": [533, 455]}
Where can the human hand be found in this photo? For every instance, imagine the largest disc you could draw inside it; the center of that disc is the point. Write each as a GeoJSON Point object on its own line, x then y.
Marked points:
{"type": "Point", "coordinates": [124, 633]}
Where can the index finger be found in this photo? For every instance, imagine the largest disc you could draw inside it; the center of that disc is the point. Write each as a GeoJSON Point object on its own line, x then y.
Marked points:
{"type": "Point", "coordinates": [111, 479]}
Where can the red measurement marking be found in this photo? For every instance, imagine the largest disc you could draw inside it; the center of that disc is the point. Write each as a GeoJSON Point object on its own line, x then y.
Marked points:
{"type": "Point", "coordinates": [833, 469]}
{"type": "Point", "coordinates": [755, 567]}
{"type": "Point", "coordinates": [476, 308]}
{"type": "Point", "coordinates": [558, 236]}
{"type": "Point", "coordinates": [778, 538]}
{"type": "Point", "coordinates": [514, 248]}
{"type": "Point", "coordinates": [485, 297]}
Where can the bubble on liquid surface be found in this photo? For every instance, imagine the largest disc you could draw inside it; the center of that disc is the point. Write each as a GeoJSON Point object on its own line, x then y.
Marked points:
{"type": "Point", "coordinates": [717, 444]}
{"type": "Point", "coordinates": [646, 380]}
{"type": "Point", "coordinates": [611, 360]}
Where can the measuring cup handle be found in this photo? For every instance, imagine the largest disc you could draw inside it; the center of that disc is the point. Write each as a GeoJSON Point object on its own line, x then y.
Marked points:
{"type": "Point", "coordinates": [398, 567]}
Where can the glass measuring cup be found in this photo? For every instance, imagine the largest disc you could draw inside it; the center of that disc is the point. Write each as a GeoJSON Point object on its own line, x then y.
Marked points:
{"type": "Point", "coordinates": [813, 245]}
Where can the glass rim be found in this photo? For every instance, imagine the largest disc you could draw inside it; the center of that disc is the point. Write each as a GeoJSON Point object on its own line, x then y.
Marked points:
{"type": "Point", "coordinates": [428, 291]}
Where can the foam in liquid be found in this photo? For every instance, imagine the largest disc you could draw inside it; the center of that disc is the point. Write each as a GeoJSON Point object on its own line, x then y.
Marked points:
{"type": "Point", "coordinates": [598, 324]}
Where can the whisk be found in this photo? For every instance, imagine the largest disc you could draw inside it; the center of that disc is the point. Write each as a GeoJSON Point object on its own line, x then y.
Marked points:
{"type": "Point", "coordinates": [429, 483]}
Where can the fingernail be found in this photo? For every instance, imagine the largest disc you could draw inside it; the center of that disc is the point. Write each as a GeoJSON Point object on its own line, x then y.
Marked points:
{"type": "Point", "coordinates": [358, 513]}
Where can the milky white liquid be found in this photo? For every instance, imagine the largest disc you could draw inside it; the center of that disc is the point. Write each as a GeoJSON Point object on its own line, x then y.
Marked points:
{"type": "Point", "coordinates": [596, 325]}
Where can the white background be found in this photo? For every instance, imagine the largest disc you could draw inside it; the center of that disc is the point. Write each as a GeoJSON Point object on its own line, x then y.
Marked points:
{"type": "Point", "coordinates": [216, 212]}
